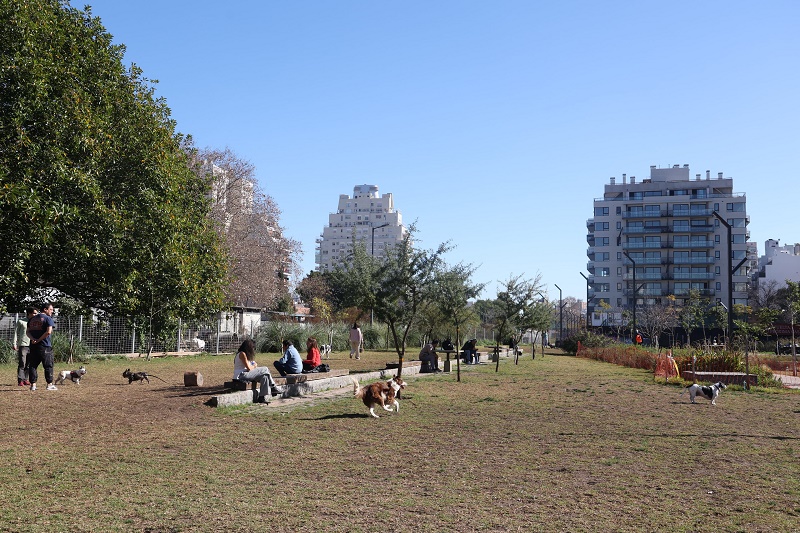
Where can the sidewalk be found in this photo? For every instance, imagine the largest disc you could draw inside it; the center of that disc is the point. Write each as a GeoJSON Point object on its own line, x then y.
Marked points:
{"type": "Point", "coordinates": [791, 382]}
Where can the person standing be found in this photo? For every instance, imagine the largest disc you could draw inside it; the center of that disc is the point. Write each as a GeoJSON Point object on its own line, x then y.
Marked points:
{"type": "Point", "coordinates": [40, 328]}
{"type": "Point", "coordinates": [22, 345]}
{"type": "Point", "coordinates": [356, 338]}
{"type": "Point", "coordinates": [290, 363]}
{"type": "Point", "coordinates": [245, 368]}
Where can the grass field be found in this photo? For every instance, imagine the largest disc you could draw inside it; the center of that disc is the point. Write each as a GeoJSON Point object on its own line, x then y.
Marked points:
{"type": "Point", "coordinates": [555, 444]}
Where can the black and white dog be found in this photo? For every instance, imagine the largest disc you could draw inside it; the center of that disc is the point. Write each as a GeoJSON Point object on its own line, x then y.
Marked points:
{"type": "Point", "coordinates": [74, 375]}
{"type": "Point", "coordinates": [708, 392]}
{"type": "Point", "coordinates": [325, 350]}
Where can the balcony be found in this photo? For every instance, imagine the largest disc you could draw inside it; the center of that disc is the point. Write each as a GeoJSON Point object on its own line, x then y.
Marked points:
{"type": "Point", "coordinates": [644, 245]}
{"type": "Point", "coordinates": [648, 261]}
{"type": "Point", "coordinates": [693, 260]}
{"type": "Point", "coordinates": [693, 275]}
{"type": "Point", "coordinates": [643, 214]}
{"type": "Point", "coordinates": [643, 276]}
{"type": "Point", "coordinates": [644, 292]}
{"type": "Point", "coordinates": [692, 244]}
{"type": "Point", "coordinates": [590, 239]}
{"type": "Point", "coordinates": [707, 228]}
{"type": "Point", "coordinates": [684, 293]}
{"type": "Point", "coordinates": [590, 224]}
{"type": "Point", "coordinates": [646, 229]}
{"type": "Point", "coordinates": [702, 212]}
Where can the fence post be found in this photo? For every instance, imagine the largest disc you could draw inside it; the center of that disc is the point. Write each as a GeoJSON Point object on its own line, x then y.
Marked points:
{"type": "Point", "coordinates": [133, 339]}
{"type": "Point", "coordinates": [219, 319]}
{"type": "Point", "coordinates": [178, 347]}
{"type": "Point", "coordinates": [80, 328]}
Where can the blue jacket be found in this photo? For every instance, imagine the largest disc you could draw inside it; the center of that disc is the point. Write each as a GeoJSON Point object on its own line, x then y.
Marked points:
{"type": "Point", "coordinates": [292, 358]}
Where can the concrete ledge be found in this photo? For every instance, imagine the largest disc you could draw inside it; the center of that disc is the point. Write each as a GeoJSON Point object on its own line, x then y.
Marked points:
{"type": "Point", "coordinates": [314, 376]}
{"type": "Point", "coordinates": [309, 387]}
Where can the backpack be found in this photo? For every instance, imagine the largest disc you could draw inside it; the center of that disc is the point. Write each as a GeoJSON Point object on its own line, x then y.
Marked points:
{"type": "Point", "coordinates": [447, 345]}
{"type": "Point", "coordinates": [322, 368]}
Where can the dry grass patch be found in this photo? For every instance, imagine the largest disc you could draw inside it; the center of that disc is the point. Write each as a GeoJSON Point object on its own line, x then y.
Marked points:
{"type": "Point", "coordinates": [555, 444]}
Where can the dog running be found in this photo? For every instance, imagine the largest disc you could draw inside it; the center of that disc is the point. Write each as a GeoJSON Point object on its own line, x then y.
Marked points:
{"type": "Point", "coordinates": [709, 392]}
{"type": "Point", "coordinates": [383, 393]}
{"type": "Point", "coordinates": [139, 376]}
{"type": "Point", "coordinates": [74, 375]}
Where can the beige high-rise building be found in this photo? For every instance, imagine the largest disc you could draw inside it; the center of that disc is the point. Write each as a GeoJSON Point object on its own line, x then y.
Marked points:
{"type": "Point", "coordinates": [666, 226]}
{"type": "Point", "coordinates": [366, 217]}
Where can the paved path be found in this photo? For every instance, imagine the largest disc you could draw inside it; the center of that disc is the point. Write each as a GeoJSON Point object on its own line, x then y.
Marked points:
{"type": "Point", "coordinates": [792, 382]}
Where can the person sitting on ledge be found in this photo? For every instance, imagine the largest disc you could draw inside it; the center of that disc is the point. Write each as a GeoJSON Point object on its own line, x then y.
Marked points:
{"type": "Point", "coordinates": [290, 363]}
{"type": "Point", "coordinates": [314, 358]}
{"type": "Point", "coordinates": [245, 369]}
{"type": "Point", "coordinates": [430, 361]}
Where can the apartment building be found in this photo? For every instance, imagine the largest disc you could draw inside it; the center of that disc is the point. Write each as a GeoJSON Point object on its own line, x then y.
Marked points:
{"type": "Point", "coordinates": [779, 263]}
{"type": "Point", "coordinates": [366, 217]}
{"type": "Point", "coordinates": [658, 237]}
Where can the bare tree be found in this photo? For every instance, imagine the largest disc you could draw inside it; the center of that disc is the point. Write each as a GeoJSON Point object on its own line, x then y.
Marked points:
{"type": "Point", "coordinates": [262, 258]}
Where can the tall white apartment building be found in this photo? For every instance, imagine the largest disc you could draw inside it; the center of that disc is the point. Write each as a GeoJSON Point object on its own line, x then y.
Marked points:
{"type": "Point", "coordinates": [666, 226]}
{"type": "Point", "coordinates": [366, 217]}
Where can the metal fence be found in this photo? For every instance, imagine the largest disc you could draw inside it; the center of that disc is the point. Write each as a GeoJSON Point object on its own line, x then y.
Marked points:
{"type": "Point", "coordinates": [95, 336]}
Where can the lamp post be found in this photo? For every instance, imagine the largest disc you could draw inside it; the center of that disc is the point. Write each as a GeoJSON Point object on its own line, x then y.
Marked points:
{"type": "Point", "coordinates": [587, 299]}
{"type": "Point", "coordinates": [372, 249]}
{"type": "Point", "coordinates": [372, 254]}
{"type": "Point", "coordinates": [731, 270]}
{"type": "Point", "coordinates": [560, 316]}
{"type": "Point", "coordinates": [635, 290]}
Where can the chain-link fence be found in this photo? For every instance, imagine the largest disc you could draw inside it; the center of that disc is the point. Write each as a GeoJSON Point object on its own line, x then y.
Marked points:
{"type": "Point", "coordinates": [81, 335]}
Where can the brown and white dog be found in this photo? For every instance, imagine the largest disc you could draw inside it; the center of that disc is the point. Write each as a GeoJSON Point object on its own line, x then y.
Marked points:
{"type": "Point", "coordinates": [709, 393]}
{"type": "Point", "coordinates": [383, 393]}
{"type": "Point", "coordinates": [74, 375]}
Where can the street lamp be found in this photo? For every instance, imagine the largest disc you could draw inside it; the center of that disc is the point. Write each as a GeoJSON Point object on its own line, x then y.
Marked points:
{"type": "Point", "coordinates": [730, 276]}
{"type": "Point", "coordinates": [372, 249]}
{"type": "Point", "coordinates": [372, 253]}
{"type": "Point", "coordinates": [587, 299]}
{"type": "Point", "coordinates": [561, 316]}
{"type": "Point", "coordinates": [635, 290]}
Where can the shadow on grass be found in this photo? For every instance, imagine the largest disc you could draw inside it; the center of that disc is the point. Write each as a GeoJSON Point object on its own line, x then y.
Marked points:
{"type": "Point", "coordinates": [345, 415]}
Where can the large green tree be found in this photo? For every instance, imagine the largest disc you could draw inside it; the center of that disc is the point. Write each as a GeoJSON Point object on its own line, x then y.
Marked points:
{"type": "Point", "coordinates": [97, 198]}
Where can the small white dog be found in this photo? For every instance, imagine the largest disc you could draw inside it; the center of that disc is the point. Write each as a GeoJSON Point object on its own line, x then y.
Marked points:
{"type": "Point", "coordinates": [74, 375]}
{"type": "Point", "coordinates": [708, 392]}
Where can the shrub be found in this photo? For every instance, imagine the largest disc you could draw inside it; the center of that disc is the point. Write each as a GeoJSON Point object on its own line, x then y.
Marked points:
{"type": "Point", "coordinates": [62, 349]}
{"type": "Point", "coordinates": [587, 340]}
{"type": "Point", "coordinates": [7, 353]}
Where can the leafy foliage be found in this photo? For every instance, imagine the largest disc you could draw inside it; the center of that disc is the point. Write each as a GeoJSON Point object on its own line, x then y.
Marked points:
{"type": "Point", "coordinates": [248, 221]}
{"type": "Point", "coordinates": [97, 200]}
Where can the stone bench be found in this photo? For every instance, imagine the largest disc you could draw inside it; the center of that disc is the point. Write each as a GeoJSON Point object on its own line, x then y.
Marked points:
{"type": "Point", "coordinates": [321, 382]}
{"type": "Point", "coordinates": [291, 379]}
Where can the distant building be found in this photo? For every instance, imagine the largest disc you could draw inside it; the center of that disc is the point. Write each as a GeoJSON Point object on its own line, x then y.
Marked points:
{"type": "Point", "coordinates": [779, 263]}
{"type": "Point", "coordinates": [665, 225]}
{"type": "Point", "coordinates": [365, 217]}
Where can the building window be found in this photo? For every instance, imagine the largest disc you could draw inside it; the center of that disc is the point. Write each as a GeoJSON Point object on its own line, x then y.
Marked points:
{"type": "Point", "coordinates": [619, 210]}
{"type": "Point", "coordinates": [602, 241]}
{"type": "Point", "coordinates": [716, 239]}
{"type": "Point", "coordinates": [716, 254]}
{"type": "Point", "coordinates": [737, 207]}
{"type": "Point", "coordinates": [600, 211]}
{"type": "Point", "coordinates": [601, 226]}
{"type": "Point", "coordinates": [619, 271]}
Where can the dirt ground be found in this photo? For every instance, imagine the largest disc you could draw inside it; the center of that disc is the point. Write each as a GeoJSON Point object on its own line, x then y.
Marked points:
{"type": "Point", "coordinates": [559, 444]}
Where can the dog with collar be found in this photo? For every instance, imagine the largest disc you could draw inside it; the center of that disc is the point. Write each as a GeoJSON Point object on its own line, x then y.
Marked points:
{"type": "Point", "coordinates": [139, 376]}
{"type": "Point", "coordinates": [381, 393]}
{"type": "Point", "coordinates": [709, 392]}
{"type": "Point", "coordinates": [74, 375]}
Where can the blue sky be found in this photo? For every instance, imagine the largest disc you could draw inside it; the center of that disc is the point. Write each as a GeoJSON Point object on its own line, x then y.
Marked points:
{"type": "Point", "coordinates": [494, 124]}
